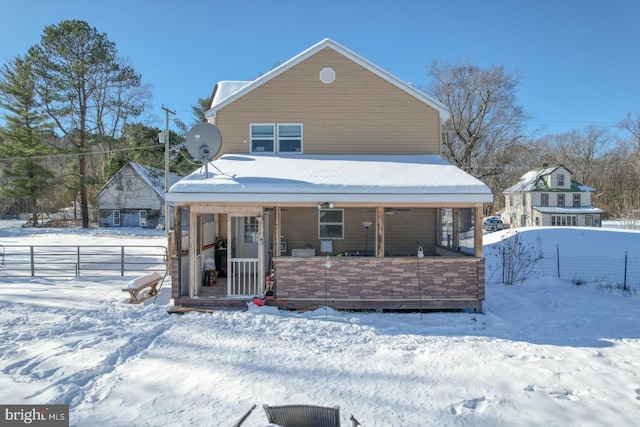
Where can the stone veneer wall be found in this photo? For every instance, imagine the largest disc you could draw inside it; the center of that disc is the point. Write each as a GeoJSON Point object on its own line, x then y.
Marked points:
{"type": "Point", "coordinates": [369, 279]}
{"type": "Point", "coordinates": [175, 278]}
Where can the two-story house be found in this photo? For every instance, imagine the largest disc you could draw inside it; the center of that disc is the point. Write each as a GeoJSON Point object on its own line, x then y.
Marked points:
{"type": "Point", "coordinates": [548, 196]}
{"type": "Point", "coordinates": [328, 189]}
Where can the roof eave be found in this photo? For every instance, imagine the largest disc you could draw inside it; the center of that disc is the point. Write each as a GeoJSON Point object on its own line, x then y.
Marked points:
{"type": "Point", "coordinates": [271, 199]}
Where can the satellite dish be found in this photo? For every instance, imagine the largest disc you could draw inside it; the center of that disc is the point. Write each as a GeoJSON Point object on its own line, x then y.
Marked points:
{"type": "Point", "coordinates": [203, 141]}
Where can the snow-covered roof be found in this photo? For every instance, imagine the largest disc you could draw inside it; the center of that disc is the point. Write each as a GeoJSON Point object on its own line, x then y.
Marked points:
{"type": "Point", "coordinates": [534, 181]}
{"type": "Point", "coordinates": [155, 177]}
{"type": "Point", "coordinates": [529, 181]}
{"type": "Point", "coordinates": [234, 90]}
{"type": "Point", "coordinates": [568, 210]}
{"type": "Point", "coordinates": [226, 88]}
{"type": "Point", "coordinates": [337, 178]}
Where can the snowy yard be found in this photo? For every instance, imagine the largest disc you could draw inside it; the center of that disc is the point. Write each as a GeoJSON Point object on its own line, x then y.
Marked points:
{"type": "Point", "coordinates": [544, 352]}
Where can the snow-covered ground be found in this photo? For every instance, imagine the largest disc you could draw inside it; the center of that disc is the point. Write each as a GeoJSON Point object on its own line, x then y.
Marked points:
{"type": "Point", "coordinates": [544, 353]}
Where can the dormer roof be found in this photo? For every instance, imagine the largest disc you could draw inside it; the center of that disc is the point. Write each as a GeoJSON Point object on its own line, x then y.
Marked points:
{"type": "Point", "coordinates": [534, 180]}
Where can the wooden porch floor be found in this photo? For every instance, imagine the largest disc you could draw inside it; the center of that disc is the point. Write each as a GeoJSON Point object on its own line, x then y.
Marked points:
{"type": "Point", "coordinates": [219, 290]}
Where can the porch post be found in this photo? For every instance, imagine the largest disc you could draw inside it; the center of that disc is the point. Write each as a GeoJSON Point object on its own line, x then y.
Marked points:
{"type": "Point", "coordinates": [380, 232]}
{"type": "Point", "coordinates": [455, 227]}
{"type": "Point", "coordinates": [261, 243]}
{"type": "Point", "coordinates": [277, 231]}
{"type": "Point", "coordinates": [193, 240]}
{"type": "Point", "coordinates": [478, 233]}
{"type": "Point", "coordinates": [177, 250]}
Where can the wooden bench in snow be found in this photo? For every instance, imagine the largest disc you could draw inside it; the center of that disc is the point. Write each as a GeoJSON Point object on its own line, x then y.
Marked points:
{"type": "Point", "coordinates": [136, 286]}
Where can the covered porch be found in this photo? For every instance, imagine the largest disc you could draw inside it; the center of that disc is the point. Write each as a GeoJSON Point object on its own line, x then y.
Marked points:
{"type": "Point", "coordinates": [319, 230]}
{"type": "Point", "coordinates": [347, 257]}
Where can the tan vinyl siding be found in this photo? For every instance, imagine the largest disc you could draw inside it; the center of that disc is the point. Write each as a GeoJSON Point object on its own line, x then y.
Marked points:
{"type": "Point", "coordinates": [300, 230]}
{"type": "Point", "coordinates": [359, 113]}
{"type": "Point", "coordinates": [401, 239]}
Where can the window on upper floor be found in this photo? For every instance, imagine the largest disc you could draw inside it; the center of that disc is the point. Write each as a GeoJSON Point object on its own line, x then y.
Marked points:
{"type": "Point", "coordinates": [290, 138]}
{"type": "Point", "coordinates": [263, 138]}
{"type": "Point", "coordinates": [576, 199]}
{"type": "Point", "coordinates": [276, 138]}
{"type": "Point", "coordinates": [544, 199]}
{"type": "Point", "coordinates": [560, 199]}
{"type": "Point", "coordinates": [560, 180]}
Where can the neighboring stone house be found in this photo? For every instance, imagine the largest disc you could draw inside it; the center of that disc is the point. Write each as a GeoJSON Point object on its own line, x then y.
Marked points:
{"type": "Point", "coordinates": [548, 196]}
{"type": "Point", "coordinates": [134, 197]}
{"type": "Point", "coordinates": [328, 189]}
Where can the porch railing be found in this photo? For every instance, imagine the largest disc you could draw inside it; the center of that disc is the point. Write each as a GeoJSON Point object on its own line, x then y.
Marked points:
{"type": "Point", "coordinates": [245, 277]}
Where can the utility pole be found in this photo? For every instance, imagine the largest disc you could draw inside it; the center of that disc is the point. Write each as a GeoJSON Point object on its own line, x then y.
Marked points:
{"type": "Point", "coordinates": [167, 223]}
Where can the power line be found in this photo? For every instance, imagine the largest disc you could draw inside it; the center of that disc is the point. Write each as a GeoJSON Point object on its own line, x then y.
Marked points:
{"type": "Point", "coordinates": [77, 154]}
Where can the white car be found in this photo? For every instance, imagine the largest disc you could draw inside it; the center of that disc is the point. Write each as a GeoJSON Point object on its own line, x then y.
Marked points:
{"type": "Point", "coordinates": [494, 224]}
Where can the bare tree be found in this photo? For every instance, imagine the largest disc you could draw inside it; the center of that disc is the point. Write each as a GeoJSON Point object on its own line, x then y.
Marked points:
{"type": "Point", "coordinates": [632, 125]}
{"type": "Point", "coordinates": [579, 150]}
{"type": "Point", "coordinates": [484, 136]}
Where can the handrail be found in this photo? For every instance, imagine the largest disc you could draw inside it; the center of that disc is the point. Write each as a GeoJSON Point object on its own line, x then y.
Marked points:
{"type": "Point", "coordinates": [81, 260]}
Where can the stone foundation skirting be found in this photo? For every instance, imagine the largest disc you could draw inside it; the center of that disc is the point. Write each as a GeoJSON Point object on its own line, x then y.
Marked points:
{"type": "Point", "coordinates": [394, 283]}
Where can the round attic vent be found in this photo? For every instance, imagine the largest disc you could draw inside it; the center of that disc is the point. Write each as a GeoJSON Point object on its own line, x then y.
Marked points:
{"type": "Point", "coordinates": [327, 75]}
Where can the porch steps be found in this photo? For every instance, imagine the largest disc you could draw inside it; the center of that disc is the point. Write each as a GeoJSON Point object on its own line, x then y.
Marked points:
{"type": "Point", "coordinates": [210, 307]}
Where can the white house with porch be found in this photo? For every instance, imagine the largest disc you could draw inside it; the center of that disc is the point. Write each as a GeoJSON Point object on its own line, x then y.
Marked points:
{"type": "Point", "coordinates": [548, 196]}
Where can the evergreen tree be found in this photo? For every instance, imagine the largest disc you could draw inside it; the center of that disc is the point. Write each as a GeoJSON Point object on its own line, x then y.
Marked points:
{"type": "Point", "coordinates": [88, 92]}
{"type": "Point", "coordinates": [25, 177]}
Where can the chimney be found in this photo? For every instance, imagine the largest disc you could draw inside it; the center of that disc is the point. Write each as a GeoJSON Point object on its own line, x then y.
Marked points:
{"type": "Point", "coordinates": [545, 164]}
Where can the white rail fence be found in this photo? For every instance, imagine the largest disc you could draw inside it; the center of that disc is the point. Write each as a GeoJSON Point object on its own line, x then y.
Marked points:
{"type": "Point", "coordinates": [73, 261]}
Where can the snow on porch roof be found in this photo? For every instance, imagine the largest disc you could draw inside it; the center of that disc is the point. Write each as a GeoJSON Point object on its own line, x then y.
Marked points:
{"type": "Point", "coordinates": [337, 178]}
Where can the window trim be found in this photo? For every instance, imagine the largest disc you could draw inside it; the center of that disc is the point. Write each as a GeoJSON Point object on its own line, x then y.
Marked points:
{"type": "Point", "coordinates": [341, 224]}
{"type": "Point", "coordinates": [250, 229]}
{"type": "Point", "coordinates": [251, 138]}
{"type": "Point", "coordinates": [277, 139]}
{"type": "Point", "coordinates": [116, 214]}
{"type": "Point", "coordinates": [577, 196]}
{"type": "Point", "coordinates": [560, 180]}
{"type": "Point", "coordinates": [544, 199]}
{"type": "Point", "coordinates": [561, 197]}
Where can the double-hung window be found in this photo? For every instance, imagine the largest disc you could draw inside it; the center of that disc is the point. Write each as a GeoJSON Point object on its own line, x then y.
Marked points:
{"type": "Point", "coordinates": [331, 224]}
{"type": "Point", "coordinates": [263, 136]}
{"type": "Point", "coordinates": [576, 199]}
{"type": "Point", "coordinates": [276, 138]}
{"type": "Point", "coordinates": [544, 199]}
{"type": "Point", "coordinates": [290, 138]}
{"type": "Point", "coordinates": [560, 180]}
{"type": "Point", "coordinates": [560, 199]}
